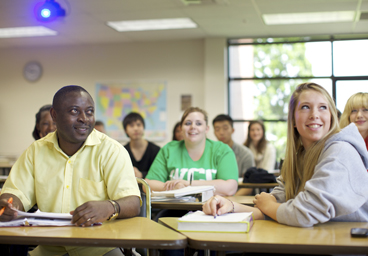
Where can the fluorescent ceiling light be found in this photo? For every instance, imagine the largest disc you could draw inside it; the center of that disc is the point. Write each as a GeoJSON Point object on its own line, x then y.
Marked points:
{"type": "Point", "coordinates": [161, 24]}
{"type": "Point", "coordinates": [26, 32]}
{"type": "Point", "coordinates": [308, 17]}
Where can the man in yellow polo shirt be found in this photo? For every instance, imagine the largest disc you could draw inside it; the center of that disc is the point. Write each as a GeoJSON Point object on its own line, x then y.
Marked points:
{"type": "Point", "coordinates": [75, 169]}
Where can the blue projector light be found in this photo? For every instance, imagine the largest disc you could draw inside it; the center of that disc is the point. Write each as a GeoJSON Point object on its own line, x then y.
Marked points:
{"type": "Point", "coordinates": [49, 11]}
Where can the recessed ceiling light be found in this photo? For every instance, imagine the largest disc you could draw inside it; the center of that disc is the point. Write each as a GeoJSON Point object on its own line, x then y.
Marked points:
{"type": "Point", "coordinates": [308, 17]}
{"type": "Point", "coordinates": [26, 32]}
{"type": "Point", "coordinates": [161, 24]}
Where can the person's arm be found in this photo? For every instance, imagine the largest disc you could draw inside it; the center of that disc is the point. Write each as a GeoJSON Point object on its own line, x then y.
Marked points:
{"type": "Point", "coordinates": [244, 192]}
{"type": "Point", "coordinates": [137, 173]}
{"type": "Point", "coordinates": [226, 182]}
{"type": "Point", "coordinates": [219, 205]}
{"type": "Point", "coordinates": [156, 185]}
{"type": "Point", "coordinates": [222, 187]}
{"type": "Point", "coordinates": [157, 174]}
{"type": "Point", "coordinates": [99, 211]}
{"type": "Point", "coordinates": [9, 212]}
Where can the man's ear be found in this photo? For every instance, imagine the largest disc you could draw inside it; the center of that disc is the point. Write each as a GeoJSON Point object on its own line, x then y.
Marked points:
{"type": "Point", "coordinates": [53, 114]}
{"type": "Point", "coordinates": [233, 130]}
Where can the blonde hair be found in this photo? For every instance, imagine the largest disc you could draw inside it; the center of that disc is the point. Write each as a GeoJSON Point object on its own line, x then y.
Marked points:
{"type": "Point", "coordinates": [299, 164]}
{"type": "Point", "coordinates": [356, 101]}
{"type": "Point", "coordinates": [191, 110]}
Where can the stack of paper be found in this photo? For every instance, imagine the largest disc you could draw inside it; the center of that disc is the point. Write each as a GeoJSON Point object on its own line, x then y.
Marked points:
{"type": "Point", "coordinates": [39, 218]}
{"type": "Point", "coordinates": [202, 193]}
{"type": "Point", "coordinates": [230, 222]}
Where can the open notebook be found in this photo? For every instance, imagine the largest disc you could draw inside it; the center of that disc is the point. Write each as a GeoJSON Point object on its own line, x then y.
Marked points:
{"type": "Point", "coordinates": [202, 193]}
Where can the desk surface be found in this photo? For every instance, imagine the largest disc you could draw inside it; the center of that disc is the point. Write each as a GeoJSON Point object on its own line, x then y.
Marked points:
{"type": "Point", "coordinates": [192, 206]}
{"type": "Point", "coordinates": [134, 232]}
{"type": "Point", "coordinates": [271, 237]}
{"type": "Point", "coordinates": [257, 185]}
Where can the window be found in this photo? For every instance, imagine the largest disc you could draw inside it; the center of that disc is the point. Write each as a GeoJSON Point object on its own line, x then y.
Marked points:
{"type": "Point", "coordinates": [264, 72]}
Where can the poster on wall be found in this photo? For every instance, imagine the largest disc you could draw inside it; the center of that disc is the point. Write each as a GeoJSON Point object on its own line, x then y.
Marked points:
{"type": "Point", "coordinates": [115, 100]}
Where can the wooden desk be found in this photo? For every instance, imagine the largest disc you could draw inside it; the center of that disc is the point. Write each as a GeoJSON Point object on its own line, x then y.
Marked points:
{"type": "Point", "coordinates": [193, 206]}
{"type": "Point", "coordinates": [257, 185]}
{"type": "Point", "coordinates": [134, 232]}
{"type": "Point", "coordinates": [270, 237]}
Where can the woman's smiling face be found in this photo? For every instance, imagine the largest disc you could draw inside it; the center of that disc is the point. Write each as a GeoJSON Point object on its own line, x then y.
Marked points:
{"type": "Point", "coordinates": [312, 117]}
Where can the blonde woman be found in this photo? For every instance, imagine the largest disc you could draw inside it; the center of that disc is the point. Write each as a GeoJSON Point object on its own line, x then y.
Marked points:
{"type": "Point", "coordinates": [356, 111]}
{"type": "Point", "coordinates": [324, 174]}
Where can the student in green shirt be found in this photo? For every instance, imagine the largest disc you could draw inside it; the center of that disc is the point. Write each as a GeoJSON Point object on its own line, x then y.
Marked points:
{"type": "Point", "coordinates": [194, 161]}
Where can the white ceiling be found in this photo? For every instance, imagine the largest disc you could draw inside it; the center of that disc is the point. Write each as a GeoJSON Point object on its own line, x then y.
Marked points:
{"type": "Point", "coordinates": [86, 20]}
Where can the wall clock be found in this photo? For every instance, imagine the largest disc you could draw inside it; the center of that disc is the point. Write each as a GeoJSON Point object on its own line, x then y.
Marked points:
{"type": "Point", "coordinates": [32, 71]}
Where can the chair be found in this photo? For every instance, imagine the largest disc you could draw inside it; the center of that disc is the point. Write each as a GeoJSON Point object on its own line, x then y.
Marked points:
{"type": "Point", "coordinates": [146, 198]}
{"type": "Point", "coordinates": [145, 212]}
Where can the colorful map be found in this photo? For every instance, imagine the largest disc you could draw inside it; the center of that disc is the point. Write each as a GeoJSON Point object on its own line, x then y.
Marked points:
{"type": "Point", "coordinates": [115, 100]}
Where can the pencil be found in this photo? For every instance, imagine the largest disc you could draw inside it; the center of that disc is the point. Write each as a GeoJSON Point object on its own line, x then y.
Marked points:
{"type": "Point", "coordinates": [10, 200]}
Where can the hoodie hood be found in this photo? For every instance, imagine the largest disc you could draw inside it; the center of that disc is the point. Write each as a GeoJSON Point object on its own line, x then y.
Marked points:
{"type": "Point", "coordinates": [351, 135]}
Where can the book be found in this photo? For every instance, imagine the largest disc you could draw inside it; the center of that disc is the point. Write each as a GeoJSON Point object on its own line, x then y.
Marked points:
{"type": "Point", "coordinates": [231, 222]}
{"type": "Point", "coordinates": [202, 193]}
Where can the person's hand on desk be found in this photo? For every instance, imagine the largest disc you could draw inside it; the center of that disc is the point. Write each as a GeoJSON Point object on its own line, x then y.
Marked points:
{"type": "Point", "coordinates": [9, 206]}
{"type": "Point", "coordinates": [175, 184]}
{"type": "Point", "coordinates": [92, 212]}
{"type": "Point", "coordinates": [217, 205]}
{"type": "Point", "coordinates": [267, 203]}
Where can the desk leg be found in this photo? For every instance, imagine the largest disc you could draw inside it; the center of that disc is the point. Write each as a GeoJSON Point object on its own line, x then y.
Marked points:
{"type": "Point", "coordinates": [153, 252]}
{"type": "Point", "coordinates": [220, 253]}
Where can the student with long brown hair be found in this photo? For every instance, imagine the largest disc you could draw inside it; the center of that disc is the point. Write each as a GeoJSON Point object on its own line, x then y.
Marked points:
{"type": "Point", "coordinates": [324, 175]}
{"type": "Point", "coordinates": [263, 151]}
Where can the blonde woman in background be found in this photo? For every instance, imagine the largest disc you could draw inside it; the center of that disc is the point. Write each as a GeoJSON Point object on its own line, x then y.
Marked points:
{"type": "Point", "coordinates": [356, 111]}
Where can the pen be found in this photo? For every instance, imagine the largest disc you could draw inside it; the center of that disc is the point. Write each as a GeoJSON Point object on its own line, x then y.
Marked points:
{"type": "Point", "coordinates": [10, 200]}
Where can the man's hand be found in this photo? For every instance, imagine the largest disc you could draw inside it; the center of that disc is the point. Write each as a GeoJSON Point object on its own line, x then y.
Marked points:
{"type": "Point", "coordinates": [10, 212]}
{"type": "Point", "coordinates": [92, 212]}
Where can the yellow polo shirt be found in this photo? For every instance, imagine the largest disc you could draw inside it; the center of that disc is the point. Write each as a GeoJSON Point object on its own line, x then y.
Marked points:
{"type": "Point", "coordinates": [101, 169]}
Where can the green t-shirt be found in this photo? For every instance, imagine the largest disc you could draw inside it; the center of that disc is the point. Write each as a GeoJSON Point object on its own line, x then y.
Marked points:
{"type": "Point", "coordinates": [173, 162]}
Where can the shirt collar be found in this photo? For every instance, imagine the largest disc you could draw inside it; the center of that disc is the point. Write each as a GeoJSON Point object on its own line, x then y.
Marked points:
{"type": "Point", "coordinates": [92, 139]}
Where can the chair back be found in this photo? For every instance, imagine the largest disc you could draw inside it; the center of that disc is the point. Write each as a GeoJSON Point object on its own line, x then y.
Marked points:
{"type": "Point", "coordinates": [146, 198]}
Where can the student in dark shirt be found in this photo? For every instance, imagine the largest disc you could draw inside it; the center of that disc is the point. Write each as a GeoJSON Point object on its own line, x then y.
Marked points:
{"type": "Point", "coordinates": [141, 151]}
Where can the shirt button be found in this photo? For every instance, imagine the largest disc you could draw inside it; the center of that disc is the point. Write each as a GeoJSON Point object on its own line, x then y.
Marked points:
{"type": "Point", "coordinates": [67, 186]}
{"type": "Point", "coordinates": [69, 162]}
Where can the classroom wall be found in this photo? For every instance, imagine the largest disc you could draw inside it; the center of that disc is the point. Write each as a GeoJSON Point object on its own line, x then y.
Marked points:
{"type": "Point", "coordinates": [194, 67]}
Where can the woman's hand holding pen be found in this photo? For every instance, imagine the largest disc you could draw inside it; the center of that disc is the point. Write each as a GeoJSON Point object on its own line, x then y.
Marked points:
{"type": "Point", "coordinates": [217, 205]}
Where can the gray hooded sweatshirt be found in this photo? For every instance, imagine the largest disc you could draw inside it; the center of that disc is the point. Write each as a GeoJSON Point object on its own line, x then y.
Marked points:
{"type": "Point", "coordinates": [338, 189]}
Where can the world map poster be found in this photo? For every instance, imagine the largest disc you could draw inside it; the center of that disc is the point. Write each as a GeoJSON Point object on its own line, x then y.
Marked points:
{"type": "Point", "coordinates": [115, 100]}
